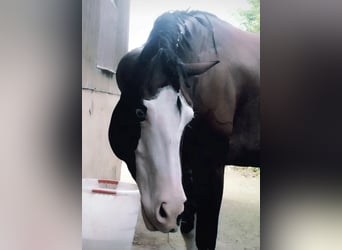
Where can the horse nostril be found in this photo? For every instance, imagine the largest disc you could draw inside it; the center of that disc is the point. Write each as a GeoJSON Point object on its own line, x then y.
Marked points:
{"type": "Point", "coordinates": [162, 211]}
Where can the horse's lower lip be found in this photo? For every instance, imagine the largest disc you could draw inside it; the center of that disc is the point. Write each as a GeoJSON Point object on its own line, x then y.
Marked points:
{"type": "Point", "coordinates": [148, 223]}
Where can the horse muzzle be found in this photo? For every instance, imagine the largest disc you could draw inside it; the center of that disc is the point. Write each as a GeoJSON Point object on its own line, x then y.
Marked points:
{"type": "Point", "coordinates": [164, 218]}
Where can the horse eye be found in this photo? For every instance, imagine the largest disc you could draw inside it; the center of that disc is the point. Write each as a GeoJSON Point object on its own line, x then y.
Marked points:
{"type": "Point", "coordinates": [140, 114]}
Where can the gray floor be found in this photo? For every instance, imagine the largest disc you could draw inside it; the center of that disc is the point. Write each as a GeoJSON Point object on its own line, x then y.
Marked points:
{"type": "Point", "coordinates": [239, 224]}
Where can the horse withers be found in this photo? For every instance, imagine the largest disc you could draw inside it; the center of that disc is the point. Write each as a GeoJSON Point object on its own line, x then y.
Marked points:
{"type": "Point", "coordinates": [189, 106]}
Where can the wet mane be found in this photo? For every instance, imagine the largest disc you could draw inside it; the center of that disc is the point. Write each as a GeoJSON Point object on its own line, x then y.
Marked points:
{"type": "Point", "coordinates": [171, 42]}
{"type": "Point", "coordinates": [172, 32]}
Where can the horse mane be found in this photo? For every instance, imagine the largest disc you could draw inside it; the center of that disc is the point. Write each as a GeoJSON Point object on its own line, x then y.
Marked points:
{"type": "Point", "coordinates": [170, 41]}
{"type": "Point", "coordinates": [171, 33]}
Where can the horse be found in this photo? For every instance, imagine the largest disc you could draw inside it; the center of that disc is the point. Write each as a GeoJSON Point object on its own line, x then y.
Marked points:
{"type": "Point", "coordinates": [189, 105]}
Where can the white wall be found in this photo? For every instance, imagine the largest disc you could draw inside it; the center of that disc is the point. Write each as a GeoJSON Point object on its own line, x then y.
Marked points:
{"type": "Point", "coordinates": [104, 42]}
{"type": "Point", "coordinates": [98, 160]}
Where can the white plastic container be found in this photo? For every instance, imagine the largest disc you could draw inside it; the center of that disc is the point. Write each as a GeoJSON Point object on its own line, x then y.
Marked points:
{"type": "Point", "coordinates": [109, 214]}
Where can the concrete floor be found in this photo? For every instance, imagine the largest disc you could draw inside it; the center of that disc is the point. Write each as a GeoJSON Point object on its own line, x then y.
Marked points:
{"type": "Point", "coordinates": [239, 223]}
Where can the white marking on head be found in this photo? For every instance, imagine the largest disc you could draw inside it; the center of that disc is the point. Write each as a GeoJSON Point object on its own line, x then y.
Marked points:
{"type": "Point", "coordinates": [158, 166]}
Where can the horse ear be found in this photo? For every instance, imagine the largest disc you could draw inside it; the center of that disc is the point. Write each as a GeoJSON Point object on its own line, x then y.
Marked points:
{"type": "Point", "coordinates": [193, 69]}
{"type": "Point", "coordinates": [124, 69]}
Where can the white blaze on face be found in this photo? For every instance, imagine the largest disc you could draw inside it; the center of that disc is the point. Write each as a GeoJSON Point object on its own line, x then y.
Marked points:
{"type": "Point", "coordinates": [158, 167]}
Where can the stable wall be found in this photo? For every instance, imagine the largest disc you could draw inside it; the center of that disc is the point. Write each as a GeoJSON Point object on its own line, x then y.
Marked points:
{"type": "Point", "coordinates": [104, 42]}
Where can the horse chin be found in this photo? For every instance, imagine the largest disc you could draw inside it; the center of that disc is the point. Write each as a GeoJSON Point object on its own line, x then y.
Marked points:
{"type": "Point", "coordinates": [147, 222]}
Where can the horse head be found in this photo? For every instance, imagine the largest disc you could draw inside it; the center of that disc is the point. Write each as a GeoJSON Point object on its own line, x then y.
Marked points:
{"type": "Point", "coordinates": [145, 132]}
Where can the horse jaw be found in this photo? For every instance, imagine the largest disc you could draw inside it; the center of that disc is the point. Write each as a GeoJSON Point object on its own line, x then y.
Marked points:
{"type": "Point", "coordinates": [159, 175]}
